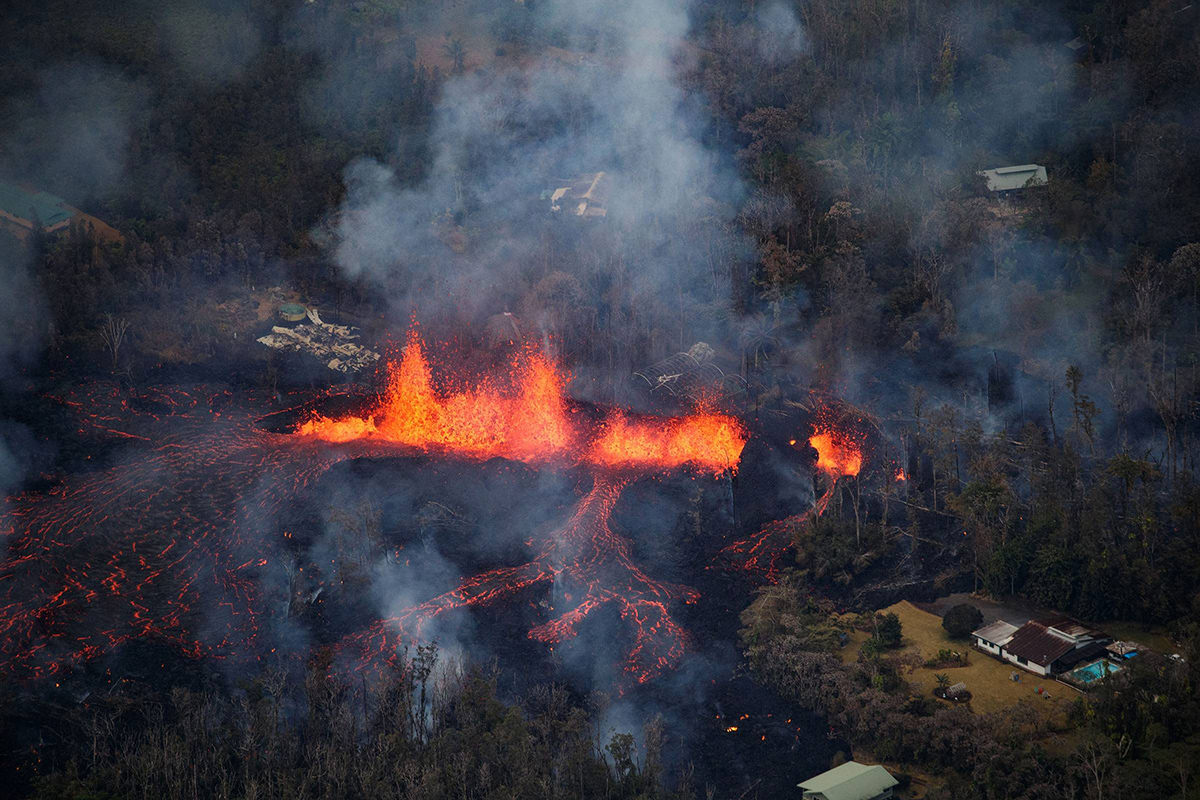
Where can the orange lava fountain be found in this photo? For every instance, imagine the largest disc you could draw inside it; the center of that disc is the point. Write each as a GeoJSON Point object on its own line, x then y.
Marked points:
{"type": "Point", "coordinates": [839, 455]}
{"type": "Point", "coordinates": [529, 419]}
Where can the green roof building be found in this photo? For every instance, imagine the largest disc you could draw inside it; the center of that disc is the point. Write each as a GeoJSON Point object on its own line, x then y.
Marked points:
{"type": "Point", "coordinates": [850, 781]}
{"type": "Point", "coordinates": [21, 207]}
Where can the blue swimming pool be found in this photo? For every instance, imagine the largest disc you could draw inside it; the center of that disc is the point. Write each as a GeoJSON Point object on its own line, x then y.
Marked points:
{"type": "Point", "coordinates": [1090, 673]}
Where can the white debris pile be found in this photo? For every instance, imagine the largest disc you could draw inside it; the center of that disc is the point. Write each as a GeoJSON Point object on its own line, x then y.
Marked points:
{"type": "Point", "coordinates": [333, 344]}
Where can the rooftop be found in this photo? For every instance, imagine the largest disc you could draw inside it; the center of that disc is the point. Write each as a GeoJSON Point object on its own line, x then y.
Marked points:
{"type": "Point", "coordinates": [1070, 627]}
{"type": "Point", "coordinates": [850, 781]}
{"type": "Point", "coordinates": [1004, 179]}
{"type": "Point", "coordinates": [1034, 642]}
{"type": "Point", "coordinates": [998, 633]}
{"type": "Point", "coordinates": [16, 201]}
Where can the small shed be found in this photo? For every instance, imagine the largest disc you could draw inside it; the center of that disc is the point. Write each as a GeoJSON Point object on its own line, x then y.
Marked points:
{"type": "Point", "coordinates": [850, 781]}
{"type": "Point", "coordinates": [1010, 179]}
{"type": "Point", "coordinates": [957, 690]}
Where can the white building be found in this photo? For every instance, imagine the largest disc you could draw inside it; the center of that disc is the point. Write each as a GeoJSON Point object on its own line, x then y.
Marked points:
{"type": "Point", "coordinates": [1044, 647]}
{"type": "Point", "coordinates": [992, 638]}
{"type": "Point", "coordinates": [1021, 176]}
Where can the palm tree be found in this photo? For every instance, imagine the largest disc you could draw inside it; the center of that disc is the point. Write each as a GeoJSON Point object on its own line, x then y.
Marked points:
{"type": "Point", "coordinates": [455, 51]}
{"type": "Point", "coordinates": [760, 337]}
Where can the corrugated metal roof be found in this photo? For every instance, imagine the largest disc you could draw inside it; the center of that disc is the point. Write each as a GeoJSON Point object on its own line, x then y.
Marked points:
{"type": "Point", "coordinates": [1004, 179]}
{"type": "Point", "coordinates": [1034, 642]}
{"type": "Point", "coordinates": [1070, 627]}
{"type": "Point", "coordinates": [850, 781]}
{"type": "Point", "coordinates": [998, 633]}
{"type": "Point", "coordinates": [24, 204]}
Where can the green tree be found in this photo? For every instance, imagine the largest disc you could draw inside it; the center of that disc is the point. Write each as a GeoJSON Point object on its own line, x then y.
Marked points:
{"type": "Point", "coordinates": [961, 620]}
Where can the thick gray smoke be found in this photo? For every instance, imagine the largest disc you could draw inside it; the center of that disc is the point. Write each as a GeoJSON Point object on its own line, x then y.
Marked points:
{"type": "Point", "coordinates": [70, 132]}
{"type": "Point", "coordinates": [212, 42]}
{"type": "Point", "coordinates": [474, 237]}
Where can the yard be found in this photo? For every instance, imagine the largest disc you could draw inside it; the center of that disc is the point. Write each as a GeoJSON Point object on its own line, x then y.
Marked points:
{"type": "Point", "coordinates": [988, 679]}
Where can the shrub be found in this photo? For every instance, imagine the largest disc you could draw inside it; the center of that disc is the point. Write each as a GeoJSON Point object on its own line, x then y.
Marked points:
{"type": "Point", "coordinates": [887, 631]}
{"type": "Point", "coordinates": [961, 620]}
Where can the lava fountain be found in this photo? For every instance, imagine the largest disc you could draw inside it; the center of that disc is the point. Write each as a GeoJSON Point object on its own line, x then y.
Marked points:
{"type": "Point", "coordinates": [530, 420]}
{"type": "Point", "coordinates": [172, 542]}
{"type": "Point", "coordinates": [839, 455]}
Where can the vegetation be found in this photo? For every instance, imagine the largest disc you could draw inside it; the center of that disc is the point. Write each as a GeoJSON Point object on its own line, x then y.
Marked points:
{"type": "Point", "coordinates": [960, 620]}
{"type": "Point", "coordinates": [431, 730]}
{"type": "Point", "coordinates": [1120, 747]}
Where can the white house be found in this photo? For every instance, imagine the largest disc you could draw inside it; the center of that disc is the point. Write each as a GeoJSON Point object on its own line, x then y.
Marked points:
{"type": "Point", "coordinates": [1051, 646]}
{"type": "Point", "coordinates": [993, 637]}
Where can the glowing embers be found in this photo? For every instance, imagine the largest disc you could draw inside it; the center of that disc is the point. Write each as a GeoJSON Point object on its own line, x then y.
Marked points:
{"type": "Point", "coordinates": [527, 418]}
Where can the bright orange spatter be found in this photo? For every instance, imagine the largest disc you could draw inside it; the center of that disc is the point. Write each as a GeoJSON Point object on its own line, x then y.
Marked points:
{"type": "Point", "coordinates": [837, 453]}
{"type": "Point", "coordinates": [527, 419]}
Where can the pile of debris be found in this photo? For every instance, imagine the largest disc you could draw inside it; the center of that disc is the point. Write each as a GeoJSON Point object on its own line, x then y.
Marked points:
{"type": "Point", "coordinates": [333, 344]}
{"type": "Point", "coordinates": [585, 196]}
{"type": "Point", "coordinates": [692, 376]}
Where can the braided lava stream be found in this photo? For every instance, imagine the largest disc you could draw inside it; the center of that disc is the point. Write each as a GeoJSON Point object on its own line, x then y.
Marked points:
{"type": "Point", "coordinates": [156, 545]}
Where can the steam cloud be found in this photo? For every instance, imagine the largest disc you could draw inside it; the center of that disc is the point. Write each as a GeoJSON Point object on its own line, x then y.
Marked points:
{"type": "Point", "coordinates": [605, 100]}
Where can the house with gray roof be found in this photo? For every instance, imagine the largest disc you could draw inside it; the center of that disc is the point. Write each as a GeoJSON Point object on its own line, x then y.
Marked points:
{"type": "Point", "coordinates": [993, 637]}
{"type": "Point", "coordinates": [850, 781]}
{"type": "Point", "coordinates": [1011, 179]}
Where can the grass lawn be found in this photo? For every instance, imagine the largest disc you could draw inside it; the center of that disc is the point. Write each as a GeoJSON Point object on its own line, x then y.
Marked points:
{"type": "Point", "coordinates": [987, 678]}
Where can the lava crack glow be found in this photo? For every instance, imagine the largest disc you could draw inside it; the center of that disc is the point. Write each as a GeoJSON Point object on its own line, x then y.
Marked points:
{"type": "Point", "coordinates": [529, 420]}
{"type": "Point", "coordinates": [839, 455]}
{"type": "Point", "coordinates": [167, 543]}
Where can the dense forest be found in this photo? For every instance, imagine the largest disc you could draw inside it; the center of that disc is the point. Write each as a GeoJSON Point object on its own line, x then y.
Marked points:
{"type": "Point", "coordinates": [1029, 363]}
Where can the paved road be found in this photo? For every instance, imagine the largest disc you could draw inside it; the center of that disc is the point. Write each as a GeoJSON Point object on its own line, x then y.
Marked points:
{"type": "Point", "coordinates": [1013, 611]}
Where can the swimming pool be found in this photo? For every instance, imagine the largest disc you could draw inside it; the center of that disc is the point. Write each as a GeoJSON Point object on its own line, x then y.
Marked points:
{"type": "Point", "coordinates": [1090, 673]}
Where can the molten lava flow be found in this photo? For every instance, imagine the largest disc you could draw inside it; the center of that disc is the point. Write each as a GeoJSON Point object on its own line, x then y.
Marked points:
{"type": "Point", "coordinates": [175, 541]}
{"type": "Point", "coordinates": [587, 560]}
{"type": "Point", "coordinates": [839, 454]}
{"type": "Point", "coordinates": [160, 546]}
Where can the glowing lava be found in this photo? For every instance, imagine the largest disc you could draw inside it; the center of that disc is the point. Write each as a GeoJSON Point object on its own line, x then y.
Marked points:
{"type": "Point", "coordinates": [176, 540]}
{"type": "Point", "coordinates": [528, 418]}
{"type": "Point", "coordinates": [839, 455]}
{"type": "Point", "coordinates": [585, 558]}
